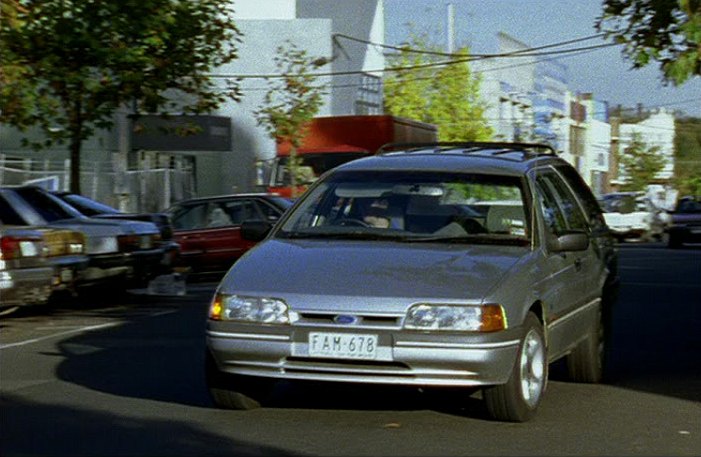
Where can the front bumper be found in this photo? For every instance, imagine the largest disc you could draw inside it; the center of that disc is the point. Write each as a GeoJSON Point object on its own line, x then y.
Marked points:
{"type": "Point", "coordinates": [403, 357]}
{"type": "Point", "coordinates": [630, 232]}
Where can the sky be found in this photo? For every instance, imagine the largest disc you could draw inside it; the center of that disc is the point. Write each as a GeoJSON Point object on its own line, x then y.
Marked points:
{"type": "Point", "coordinates": [602, 72]}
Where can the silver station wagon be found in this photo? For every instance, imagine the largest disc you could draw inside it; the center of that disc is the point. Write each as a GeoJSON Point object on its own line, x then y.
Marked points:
{"type": "Point", "coordinates": [462, 265]}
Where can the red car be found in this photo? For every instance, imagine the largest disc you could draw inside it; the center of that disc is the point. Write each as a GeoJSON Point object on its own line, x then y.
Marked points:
{"type": "Point", "coordinates": [208, 229]}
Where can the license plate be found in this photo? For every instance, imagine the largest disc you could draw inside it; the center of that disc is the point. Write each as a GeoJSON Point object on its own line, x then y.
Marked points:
{"type": "Point", "coordinates": [343, 345]}
{"type": "Point", "coordinates": [145, 242]}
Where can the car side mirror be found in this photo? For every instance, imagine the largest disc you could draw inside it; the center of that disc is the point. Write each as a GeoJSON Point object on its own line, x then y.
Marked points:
{"type": "Point", "coordinates": [575, 241]}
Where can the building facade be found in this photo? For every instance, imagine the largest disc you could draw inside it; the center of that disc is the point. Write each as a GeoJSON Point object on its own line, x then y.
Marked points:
{"type": "Point", "coordinates": [657, 130]}
{"type": "Point", "coordinates": [119, 166]}
{"type": "Point", "coordinates": [134, 167]}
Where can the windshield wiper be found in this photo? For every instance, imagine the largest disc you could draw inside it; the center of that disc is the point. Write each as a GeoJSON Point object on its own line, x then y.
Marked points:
{"type": "Point", "coordinates": [345, 235]}
{"type": "Point", "coordinates": [469, 239]}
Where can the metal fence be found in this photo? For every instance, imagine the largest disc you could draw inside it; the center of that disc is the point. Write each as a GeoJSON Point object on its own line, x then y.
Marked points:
{"type": "Point", "coordinates": [146, 189]}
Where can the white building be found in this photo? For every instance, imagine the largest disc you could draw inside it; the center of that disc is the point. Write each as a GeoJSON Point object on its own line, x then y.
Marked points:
{"type": "Point", "coordinates": [507, 91]}
{"type": "Point", "coordinates": [221, 159]}
{"type": "Point", "coordinates": [658, 130]}
{"type": "Point", "coordinates": [317, 26]}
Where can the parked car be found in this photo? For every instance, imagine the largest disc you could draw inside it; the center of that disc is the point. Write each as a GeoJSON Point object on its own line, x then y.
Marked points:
{"type": "Point", "coordinates": [485, 299]}
{"type": "Point", "coordinates": [685, 225]}
{"type": "Point", "coordinates": [63, 248]}
{"type": "Point", "coordinates": [208, 229]}
{"type": "Point", "coordinates": [118, 250]}
{"type": "Point", "coordinates": [633, 216]}
{"type": "Point", "coordinates": [26, 276]}
{"type": "Point", "coordinates": [92, 208]}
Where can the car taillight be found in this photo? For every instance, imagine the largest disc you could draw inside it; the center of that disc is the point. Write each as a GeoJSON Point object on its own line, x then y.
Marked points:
{"type": "Point", "coordinates": [13, 247]}
{"type": "Point", "coordinates": [64, 242]}
{"type": "Point", "coordinates": [138, 242]}
{"type": "Point", "coordinates": [128, 242]}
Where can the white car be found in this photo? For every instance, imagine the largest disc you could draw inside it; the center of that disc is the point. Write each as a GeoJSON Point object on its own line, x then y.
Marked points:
{"type": "Point", "coordinates": [633, 216]}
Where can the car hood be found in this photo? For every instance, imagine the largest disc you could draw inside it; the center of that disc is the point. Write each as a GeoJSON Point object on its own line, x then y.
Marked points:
{"type": "Point", "coordinates": [106, 227]}
{"type": "Point", "coordinates": [300, 270]}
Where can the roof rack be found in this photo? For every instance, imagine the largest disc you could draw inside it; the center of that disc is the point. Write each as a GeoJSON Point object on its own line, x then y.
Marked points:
{"type": "Point", "coordinates": [468, 147]}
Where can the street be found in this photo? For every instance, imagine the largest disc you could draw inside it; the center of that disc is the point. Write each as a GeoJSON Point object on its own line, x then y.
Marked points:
{"type": "Point", "coordinates": [123, 376]}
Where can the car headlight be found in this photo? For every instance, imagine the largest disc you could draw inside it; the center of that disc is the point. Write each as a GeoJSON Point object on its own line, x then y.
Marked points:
{"type": "Point", "coordinates": [471, 318]}
{"type": "Point", "coordinates": [102, 245]}
{"type": "Point", "coordinates": [264, 310]}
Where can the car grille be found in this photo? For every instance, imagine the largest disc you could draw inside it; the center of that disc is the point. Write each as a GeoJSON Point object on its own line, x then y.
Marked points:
{"type": "Point", "coordinates": [361, 320]}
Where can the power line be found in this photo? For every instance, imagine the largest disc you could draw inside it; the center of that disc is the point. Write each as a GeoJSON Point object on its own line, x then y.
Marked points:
{"type": "Point", "coordinates": [448, 54]}
{"type": "Point", "coordinates": [464, 59]}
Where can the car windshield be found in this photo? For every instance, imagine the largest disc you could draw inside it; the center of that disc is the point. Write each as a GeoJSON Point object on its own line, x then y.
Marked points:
{"type": "Point", "coordinates": [689, 205]}
{"type": "Point", "coordinates": [48, 206]}
{"type": "Point", "coordinates": [623, 204]}
{"type": "Point", "coordinates": [412, 207]}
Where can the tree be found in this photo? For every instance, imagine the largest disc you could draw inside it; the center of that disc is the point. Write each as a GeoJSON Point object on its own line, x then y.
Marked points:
{"type": "Point", "coordinates": [687, 157]}
{"type": "Point", "coordinates": [666, 31]}
{"type": "Point", "coordinates": [640, 163]}
{"type": "Point", "coordinates": [69, 65]}
{"type": "Point", "coordinates": [291, 102]}
{"type": "Point", "coordinates": [445, 95]}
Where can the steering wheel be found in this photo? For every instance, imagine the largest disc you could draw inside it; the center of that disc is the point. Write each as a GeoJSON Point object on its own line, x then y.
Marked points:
{"type": "Point", "coordinates": [348, 222]}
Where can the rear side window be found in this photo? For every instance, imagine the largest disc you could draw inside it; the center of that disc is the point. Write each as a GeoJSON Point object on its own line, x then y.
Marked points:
{"type": "Point", "coordinates": [560, 208]}
{"type": "Point", "coordinates": [189, 217]}
{"type": "Point", "coordinates": [50, 209]}
{"type": "Point", "coordinates": [8, 215]}
{"type": "Point", "coordinates": [585, 195]}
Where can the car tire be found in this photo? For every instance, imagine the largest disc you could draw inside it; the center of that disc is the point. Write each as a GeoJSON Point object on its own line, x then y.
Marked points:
{"type": "Point", "coordinates": [518, 399]}
{"type": "Point", "coordinates": [229, 391]}
{"type": "Point", "coordinates": [586, 362]}
{"type": "Point", "coordinates": [674, 241]}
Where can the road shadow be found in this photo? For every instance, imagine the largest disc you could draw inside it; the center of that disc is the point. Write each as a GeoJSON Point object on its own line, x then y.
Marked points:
{"type": "Point", "coordinates": [29, 428]}
{"type": "Point", "coordinates": [654, 335]}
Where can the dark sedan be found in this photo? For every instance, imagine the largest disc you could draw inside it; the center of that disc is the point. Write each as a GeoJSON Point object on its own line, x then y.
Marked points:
{"type": "Point", "coordinates": [685, 225]}
{"type": "Point", "coordinates": [208, 229]}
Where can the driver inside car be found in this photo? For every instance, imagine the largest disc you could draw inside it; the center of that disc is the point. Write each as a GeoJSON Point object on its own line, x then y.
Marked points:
{"type": "Point", "coordinates": [379, 214]}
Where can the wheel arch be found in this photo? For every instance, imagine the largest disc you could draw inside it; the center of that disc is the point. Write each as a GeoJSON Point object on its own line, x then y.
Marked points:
{"type": "Point", "coordinates": [539, 309]}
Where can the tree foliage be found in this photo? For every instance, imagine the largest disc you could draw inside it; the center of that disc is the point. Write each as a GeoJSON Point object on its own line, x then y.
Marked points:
{"type": "Point", "coordinates": [292, 101]}
{"type": "Point", "coordinates": [687, 159]}
{"type": "Point", "coordinates": [640, 163]}
{"type": "Point", "coordinates": [666, 31]}
{"type": "Point", "coordinates": [445, 95]}
{"type": "Point", "coordinates": [68, 65]}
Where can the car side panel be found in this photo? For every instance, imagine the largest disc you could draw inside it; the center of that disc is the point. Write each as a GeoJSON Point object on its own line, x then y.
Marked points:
{"type": "Point", "coordinates": [211, 249]}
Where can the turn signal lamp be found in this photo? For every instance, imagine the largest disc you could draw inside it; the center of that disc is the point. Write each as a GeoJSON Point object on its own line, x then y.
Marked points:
{"type": "Point", "coordinates": [470, 318]}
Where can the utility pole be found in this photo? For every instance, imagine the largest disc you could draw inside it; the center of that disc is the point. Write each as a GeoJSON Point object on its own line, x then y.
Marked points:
{"type": "Point", "coordinates": [450, 28]}
{"type": "Point", "coordinates": [613, 182]}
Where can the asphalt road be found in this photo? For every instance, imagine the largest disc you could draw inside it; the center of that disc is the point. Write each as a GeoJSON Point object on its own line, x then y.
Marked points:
{"type": "Point", "coordinates": [123, 376]}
